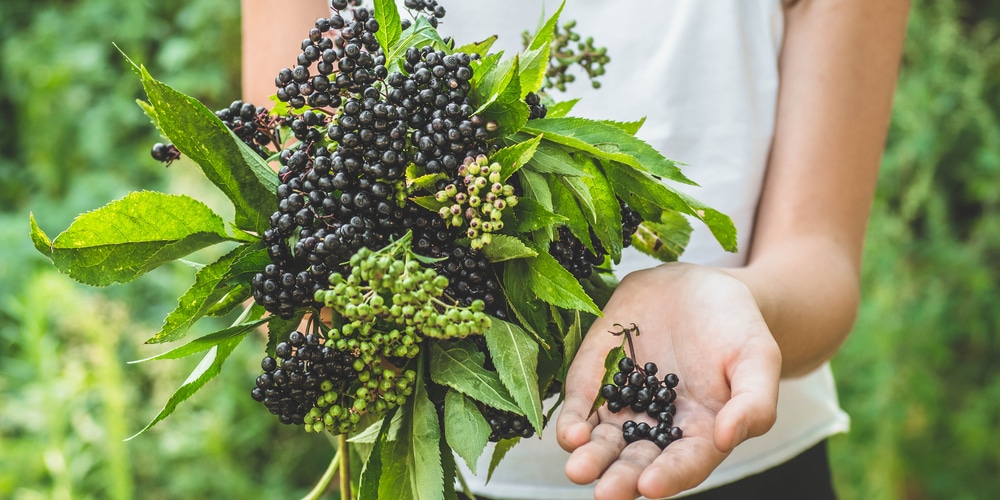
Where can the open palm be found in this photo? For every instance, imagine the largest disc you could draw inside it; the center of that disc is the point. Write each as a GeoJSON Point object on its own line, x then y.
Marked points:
{"type": "Point", "coordinates": [705, 326]}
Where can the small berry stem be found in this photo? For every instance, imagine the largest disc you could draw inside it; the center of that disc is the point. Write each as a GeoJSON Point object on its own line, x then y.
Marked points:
{"type": "Point", "coordinates": [345, 467]}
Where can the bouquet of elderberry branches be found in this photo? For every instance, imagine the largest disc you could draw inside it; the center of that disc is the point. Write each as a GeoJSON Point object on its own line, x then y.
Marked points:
{"type": "Point", "coordinates": [431, 243]}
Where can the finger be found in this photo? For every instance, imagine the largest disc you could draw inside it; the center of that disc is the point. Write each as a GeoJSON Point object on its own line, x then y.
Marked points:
{"type": "Point", "coordinates": [588, 462]}
{"type": "Point", "coordinates": [752, 408]}
{"type": "Point", "coordinates": [682, 465]}
{"type": "Point", "coordinates": [575, 424]}
{"type": "Point", "coordinates": [621, 479]}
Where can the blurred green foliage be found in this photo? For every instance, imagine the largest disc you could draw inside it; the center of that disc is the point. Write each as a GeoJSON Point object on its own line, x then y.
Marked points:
{"type": "Point", "coordinates": [919, 374]}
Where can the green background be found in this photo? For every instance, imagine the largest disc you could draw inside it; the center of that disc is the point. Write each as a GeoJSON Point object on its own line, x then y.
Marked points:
{"type": "Point", "coordinates": [919, 374]}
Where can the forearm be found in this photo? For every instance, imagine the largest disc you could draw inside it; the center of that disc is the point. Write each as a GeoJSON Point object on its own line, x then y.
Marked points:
{"type": "Point", "coordinates": [272, 32]}
{"type": "Point", "coordinates": [838, 72]}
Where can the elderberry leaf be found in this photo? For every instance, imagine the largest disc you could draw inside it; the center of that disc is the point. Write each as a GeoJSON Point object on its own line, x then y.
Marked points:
{"type": "Point", "coordinates": [561, 108]}
{"type": "Point", "coordinates": [554, 284]}
{"type": "Point", "coordinates": [38, 237]}
{"type": "Point", "coordinates": [610, 368]}
{"type": "Point", "coordinates": [465, 429]}
{"type": "Point", "coordinates": [529, 310]}
{"type": "Point", "coordinates": [231, 165]}
{"type": "Point", "coordinates": [515, 355]}
{"type": "Point", "coordinates": [482, 48]}
{"type": "Point", "coordinates": [571, 343]}
{"type": "Point", "coordinates": [608, 224]}
{"type": "Point", "coordinates": [372, 473]}
{"type": "Point", "coordinates": [629, 182]}
{"type": "Point", "coordinates": [206, 342]}
{"type": "Point", "coordinates": [207, 369]}
{"type": "Point", "coordinates": [630, 128]}
{"type": "Point", "coordinates": [504, 247]}
{"type": "Point", "coordinates": [565, 203]}
{"type": "Point", "coordinates": [430, 203]}
{"type": "Point", "coordinates": [531, 215]}
{"type": "Point", "coordinates": [390, 27]}
{"type": "Point", "coordinates": [459, 365]}
{"type": "Point", "coordinates": [607, 142]}
{"type": "Point", "coordinates": [505, 107]}
{"type": "Point", "coordinates": [664, 240]}
{"type": "Point", "coordinates": [500, 451]}
{"type": "Point", "coordinates": [535, 60]}
{"type": "Point", "coordinates": [513, 157]}
{"type": "Point", "coordinates": [412, 463]}
{"type": "Point", "coordinates": [208, 289]}
{"type": "Point", "coordinates": [419, 34]}
{"type": "Point", "coordinates": [551, 158]}
{"type": "Point", "coordinates": [278, 330]}
{"type": "Point", "coordinates": [132, 236]}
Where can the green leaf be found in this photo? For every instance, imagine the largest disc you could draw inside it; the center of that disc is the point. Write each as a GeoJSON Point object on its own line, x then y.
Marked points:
{"type": "Point", "coordinates": [535, 60]}
{"type": "Point", "coordinates": [465, 428]}
{"type": "Point", "coordinates": [459, 365]}
{"type": "Point", "coordinates": [583, 197]}
{"type": "Point", "coordinates": [554, 284]}
{"type": "Point", "coordinates": [207, 369]}
{"type": "Point", "coordinates": [551, 158]}
{"type": "Point", "coordinates": [513, 157]}
{"type": "Point", "coordinates": [278, 330]}
{"type": "Point", "coordinates": [629, 182]}
{"type": "Point", "coordinates": [531, 215]}
{"type": "Point", "coordinates": [506, 107]}
{"type": "Point", "coordinates": [571, 343]}
{"type": "Point", "coordinates": [372, 473]}
{"type": "Point", "coordinates": [371, 433]}
{"type": "Point", "coordinates": [563, 202]}
{"type": "Point", "coordinates": [208, 341]}
{"type": "Point", "coordinates": [482, 48]}
{"type": "Point", "coordinates": [515, 355]}
{"type": "Point", "coordinates": [536, 187]}
{"type": "Point", "coordinates": [390, 27]}
{"type": "Point", "coordinates": [231, 165]}
{"type": "Point", "coordinates": [664, 240]}
{"type": "Point", "coordinates": [528, 309]}
{"type": "Point", "coordinates": [500, 451]}
{"type": "Point", "coordinates": [430, 203]}
{"type": "Point", "coordinates": [131, 236]}
{"type": "Point", "coordinates": [607, 142]}
{"type": "Point", "coordinates": [196, 300]}
{"type": "Point", "coordinates": [504, 247]}
{"type": "Point", "coordinates": [630, 128]}
{"type": "Point", "coordinates": [413, 461]}
{"type": "Point", "coordinates": [491, 78]}
{"type": "Point", "coordinates": [608, 225]}
{"type": "Point", "coordinates": [419, 34]}
{"type": "Point", "coordinates": [39, 239]}
{"type": "Point", "coordinates": [561, 108]}
{"type": "Point", "coordinates": [610, 368]}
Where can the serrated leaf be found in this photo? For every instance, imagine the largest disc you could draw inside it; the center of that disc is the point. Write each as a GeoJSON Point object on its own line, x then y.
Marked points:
{"type": "Point", "coordinates": [551, 158]}
{"type": "Point", "coordinates": [236, 295]}
{"type": "Point", "coordinates": [513, 157]}
{"type": "Point", "coordinates": [561, 108]}
{"type": "Point", "coordinates": [430, 203]}
{"type": "Point", "coordinates": [554, 284]}
{"type": "Point", "coordinates": [390, 27]}
{"type": "Point", "coordinates": [537, 188]}
{"type": "Point", "coordinates": [504, 247]}
{"type": "Point", "coordinates": [448, 467]}
{"type": "Point", "coordinates": [599, 286]}
{"type": "Point", "coordinates": [459, 365]}
{"type": "Point", "coordinates": [529, 310]}
{"type": "Point", "coordinates": [38, 237]}
{"type": "Point", "coordinates": [515, 355]}
{"type": "Point", "coordinates": [571, 343]}
{"type": "Point", "coordinates": [607, 142]}
{"type": "Point", "coordinates": [208, 341]}
{"type": "Point", "coordinates": [576, 186]}
{"type": "Point", "coordinates": [481, 69]}
{"type": "Point", "coordinates": [535, 59]}
{"type": "Point", "coordinates": [419, 34]}
{"type": "Point", "coordinates": [630, 128]}
{"type": "Point", "coordinates": [506, 107]}
{"type": "Point", "coordinates": [531, 215]}
{"type": "Point", "coordinates": [629, 182]}
{"type": "Point", "coordinates": [500, 451]}
{"type": "Point", "coordinates": [193, 304]}
{"type": "Point", "coordinates": [664, 240]}
{"type": "Point", "coordinates": [465, 429]}
{"type": "Point", "coordinates": [372, 473]}
{"type": "Point", "coordinates": [231, 165]}
{"type": "Point", "coordinates": [131, 236]}
{"type": "Point", "coordinates": [482, 48]}
{"type": "Point", "coordinates": [608, 224]}
{"type": "Point", "coordinates": [610, 368]}
{"type": "Point", "coordinates": [413, 461]}
{"type": "Point", "coordinates": [564, 203]}
{"type": "Point", "coordinates": [207, 369]}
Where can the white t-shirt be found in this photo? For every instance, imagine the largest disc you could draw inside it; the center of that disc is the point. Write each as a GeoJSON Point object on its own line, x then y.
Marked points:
{"type": "Point", "coordinates": [704, 73]}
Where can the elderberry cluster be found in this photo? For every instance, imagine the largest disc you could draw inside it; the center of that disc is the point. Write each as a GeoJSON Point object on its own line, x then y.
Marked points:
{"type": "Point", "coordinates": [290, 384]}
{"type": "Point", "coordinates": [430, 8]}
{"type": "Point", "coordinates": [639, 390]}
{"type": "Point", "coordinates": [579, 260]}
{"type": "Point", "coordinates": [252, 124]}
{"type": "Point", "coordinates": [535, 107]}
{"type": "Point", "coordinates": [506, 424]}
{"type": "Point", "coordinates": [480, 202]}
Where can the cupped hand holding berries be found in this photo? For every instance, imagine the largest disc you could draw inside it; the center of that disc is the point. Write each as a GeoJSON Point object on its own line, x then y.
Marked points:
{"type": "Point", "coordinates": [702, 324]}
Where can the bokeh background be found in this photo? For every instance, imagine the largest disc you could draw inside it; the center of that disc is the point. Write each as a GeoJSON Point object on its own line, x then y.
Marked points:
{"type": "Point", "coordinates": [919, 374]}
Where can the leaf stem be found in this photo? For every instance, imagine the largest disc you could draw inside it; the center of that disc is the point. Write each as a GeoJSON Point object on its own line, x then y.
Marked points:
{"type": "Point", "coordinates": [345, 467]}
{"type": "Point", "coordinates": [320, 488]}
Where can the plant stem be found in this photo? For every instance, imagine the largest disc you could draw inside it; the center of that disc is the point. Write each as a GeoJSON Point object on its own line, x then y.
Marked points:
{"type": "Point", "coordinates": [320, 488]}
{"type": "Point", "coordinates": [345, 467]}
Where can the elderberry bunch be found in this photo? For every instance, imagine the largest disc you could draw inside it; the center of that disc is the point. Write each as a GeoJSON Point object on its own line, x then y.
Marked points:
{"type": "Point", "coordinates": [429, 8]}
{"type": "Point", "coordinates": [579, 260]}
{"type": "Point", "coordinates": [252, 124]}
{"type": "Point", "coordinates": [535, 107]}
{"type": "Point", "coordinates": [480, 202]}
{"type": "Point", "coordinates": [291, 383]}
{"type": "Point", "coordinates": [506, 424]}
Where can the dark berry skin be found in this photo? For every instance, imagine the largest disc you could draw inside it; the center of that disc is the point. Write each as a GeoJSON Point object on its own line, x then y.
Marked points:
{"type": "Point", "coordinates": [626, 364]}
{"type": "Point", "coordinates": [650, 368]}
{"type": "Point", "coordinates": [671, 380]}
{"type": "Point", "coordinates": [620, 379]}
{"type": "Point", "coordinates": [609, 392]}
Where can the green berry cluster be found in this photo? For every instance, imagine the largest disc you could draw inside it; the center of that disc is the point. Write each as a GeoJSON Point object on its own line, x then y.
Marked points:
{"type": "Point", "coordinates": [563, 56]}
{"type": "Point", "coordinates": [480, 202]}
{"type": "Point", "coordinates": [338, 409]}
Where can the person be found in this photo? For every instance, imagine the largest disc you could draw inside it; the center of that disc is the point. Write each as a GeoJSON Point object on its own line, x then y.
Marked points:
{"type": "Point", "coordinates": [780, 109]}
